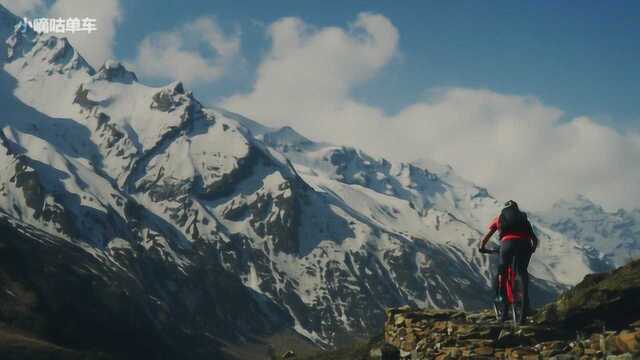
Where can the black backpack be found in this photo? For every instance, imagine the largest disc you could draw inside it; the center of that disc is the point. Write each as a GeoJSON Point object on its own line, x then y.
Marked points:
{"type": "Point", "coordinates": [513, 220]}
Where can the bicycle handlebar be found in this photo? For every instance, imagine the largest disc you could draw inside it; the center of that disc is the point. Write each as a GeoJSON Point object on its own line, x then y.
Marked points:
{"type": "Point", "coordinates": [489, 251]}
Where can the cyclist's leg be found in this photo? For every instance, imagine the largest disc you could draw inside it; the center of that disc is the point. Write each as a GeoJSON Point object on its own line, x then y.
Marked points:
{"type": "Point", "coordinates": [507, 253]}
{"type": "Point", "coordinates": [523, 256]}
{"type": "Point", "coordinates": [506, 258]}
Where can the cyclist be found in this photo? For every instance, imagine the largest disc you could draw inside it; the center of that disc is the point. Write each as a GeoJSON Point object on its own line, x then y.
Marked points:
{"type": "Point", "coordinates": [517, 240]}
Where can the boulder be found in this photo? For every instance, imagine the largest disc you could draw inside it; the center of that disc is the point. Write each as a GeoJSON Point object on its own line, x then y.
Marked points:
{"type": "Point", "coordinates": [385, 352]}
{"type": "Point", "coordinates": [606, 300]}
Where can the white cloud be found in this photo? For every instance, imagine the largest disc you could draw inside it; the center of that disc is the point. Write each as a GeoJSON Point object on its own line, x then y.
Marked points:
{"type": "Point", "coordinates": [23, 7]}
{"type": "Point", "coordinates": [516, 146]}
{"type": "Point", "coordinates": [521, 148]}
{"type": "Point", "coordinates": [310, 72]}
{"type": "Point", "coordinates": [177, 54]}
{"type": "Point", "coordinates": [96, 47]}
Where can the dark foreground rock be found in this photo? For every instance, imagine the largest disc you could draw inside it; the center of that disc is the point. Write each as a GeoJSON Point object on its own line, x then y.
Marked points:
{"type": "Point", "coordinates": [608, 300]}
{"type": "Point", "coordinates": [58, 301]}
{"type": "Point", "coordinates": [451, 334]}
{"type": "Point", "coordinates": [597, 319]}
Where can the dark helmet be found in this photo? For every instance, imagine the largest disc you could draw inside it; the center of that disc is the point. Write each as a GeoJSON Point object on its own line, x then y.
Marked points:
{"type": "Point", "coordinates": [510, 203]}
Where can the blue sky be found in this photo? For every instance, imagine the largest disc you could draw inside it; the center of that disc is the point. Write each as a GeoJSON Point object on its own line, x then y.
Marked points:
{"type": "Point", "coordinates": [582, 59]}
{"type": "Point", "coordinates": [543, 91]}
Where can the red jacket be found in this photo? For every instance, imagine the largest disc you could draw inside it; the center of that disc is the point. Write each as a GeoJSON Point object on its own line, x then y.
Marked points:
{"type": "Point", "coordinates": [495, 226]}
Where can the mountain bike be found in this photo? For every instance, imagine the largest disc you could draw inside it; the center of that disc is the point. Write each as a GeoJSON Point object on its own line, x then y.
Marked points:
{"type": "Point", "coordinates": [510, 288]}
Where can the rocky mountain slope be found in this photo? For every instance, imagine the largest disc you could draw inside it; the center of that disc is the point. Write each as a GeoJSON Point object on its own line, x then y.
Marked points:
{"type": "Point", "coordinates": [597, 319]}
{"type": "Point", "coordinates": [55, 292]}
{"type": "Point", "coordinates": [614, 234]}
{"type": "Point", "coordinates": [204, 222]}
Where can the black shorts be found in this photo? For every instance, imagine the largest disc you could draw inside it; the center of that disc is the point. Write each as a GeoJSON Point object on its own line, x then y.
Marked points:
{"type": "Point", "coordinates": [520, 249]}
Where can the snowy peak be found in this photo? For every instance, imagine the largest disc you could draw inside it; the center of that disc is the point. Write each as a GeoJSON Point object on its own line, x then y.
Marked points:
{"type": "Point", "coordinates": [7, 17]}
{"type": "Point", "coordinates": [116, 72]}
{"type": "Point", "coordinates": [59, 52]}
{"type": "Point", "coordinates": [41, 53]}
{"type": "Point", "coordinates": [328, 235]}
{"type": "Point", "coordinates": [8, 26]}
{"type": "Point", "coordinates": [433, 166]}
{"type": "Point", "coordinates": [580, 204]}
{"type": "Point", "coordinates": [171, 97]}
{"type": "Point", "coordinates": [616, 234]}
{"type": "Point", "coordinates": [286, 139]}
{"type": "Point", "coordinates": [255, 128]}
{"type": "Point", "coordinates": [45, 53]}
{"type": "Point", "coordinates": [8, 21]}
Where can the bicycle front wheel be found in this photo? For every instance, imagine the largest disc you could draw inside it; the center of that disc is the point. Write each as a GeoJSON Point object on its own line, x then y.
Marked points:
{"type": "Point", "coordinates": [497, 309]}
{"type": "Point", "coordinates": [517, 307]}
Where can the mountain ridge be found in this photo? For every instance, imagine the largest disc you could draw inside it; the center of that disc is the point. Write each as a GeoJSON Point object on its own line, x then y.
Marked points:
{"type": "Point", "coordinates": [615, 234]}
{"type": "Point", "coordinates": [323, 238]}
{"type": "Point", "coordinates": [596, 319]}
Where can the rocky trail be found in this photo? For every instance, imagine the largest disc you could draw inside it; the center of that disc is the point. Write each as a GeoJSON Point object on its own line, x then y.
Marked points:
{"type": "Point", "coordinates": [450, 334]}
{"type": "Point", "coordinates": [597, 319]}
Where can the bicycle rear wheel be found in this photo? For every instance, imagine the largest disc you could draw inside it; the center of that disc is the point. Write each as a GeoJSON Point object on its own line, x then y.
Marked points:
{"type": "Point", "coordinates": [517, 307]}
{"type": "Point", "coordinates": [498, 300]}
{"type": "Point", "coordinates": [497, 309]}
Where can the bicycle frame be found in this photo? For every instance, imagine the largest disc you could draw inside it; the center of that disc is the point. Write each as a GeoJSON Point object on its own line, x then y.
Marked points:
{"type": "Point", "coordinates": [507, 284]}
{"type": "Point", "coordinates": [508, 288]}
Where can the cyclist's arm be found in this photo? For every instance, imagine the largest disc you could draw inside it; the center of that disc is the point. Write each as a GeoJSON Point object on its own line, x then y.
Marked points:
{"type": "Point", "coordinates": [486, 238]}
{"type": "Point", "coordinates": [534, 238]}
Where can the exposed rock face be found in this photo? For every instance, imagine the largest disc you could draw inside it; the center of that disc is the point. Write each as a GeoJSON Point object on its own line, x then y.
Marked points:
{"type": "Point", "coordinates": [115, 71]}
{"type": "Point", "coordinates": [70, 298]}
{"type": "Point", "coordinates": [597, 318]}
{"type": "Point", "coordinates": [26, 178]}
{"type": "Point", "coordinates": [610, 300]}
{"type": "Point", "coordinates": [155, 189]}
{"type": "Point", "coordinates": [615, 234]}
{"type": "Point", "coordinates": [168, 98]}
{"type": "Point", "coordinates": [451, 334]}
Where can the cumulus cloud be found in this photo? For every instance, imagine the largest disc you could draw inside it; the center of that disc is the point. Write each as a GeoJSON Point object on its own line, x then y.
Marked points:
{"type": "Point", "coordinates": [314, 70]}
{"type": "Point", "coordinates": [520, 148]}
{"type": "Point", "coordinates": [178, 54]}
{"type": "Point", "coordinates": [23, 7]}
{"type": "Point", "coordinates": [96, 47]}
{"type": "Point", "coordinates": [516, 146]}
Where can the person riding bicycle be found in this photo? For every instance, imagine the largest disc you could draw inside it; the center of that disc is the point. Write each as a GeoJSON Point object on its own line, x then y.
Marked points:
{"type": "Point", "coordinates": [517, 240]}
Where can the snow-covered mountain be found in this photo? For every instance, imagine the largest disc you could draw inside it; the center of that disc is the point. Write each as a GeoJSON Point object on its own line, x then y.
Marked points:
{"type": "Point", "coordinates": [321, 237]}
{"type": "Point", "coordinates": [614, 234]}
